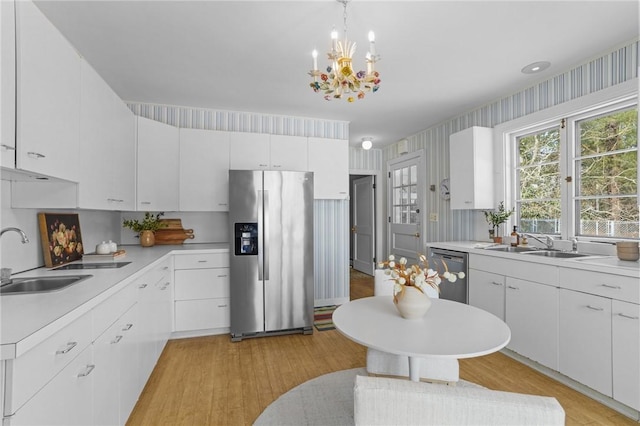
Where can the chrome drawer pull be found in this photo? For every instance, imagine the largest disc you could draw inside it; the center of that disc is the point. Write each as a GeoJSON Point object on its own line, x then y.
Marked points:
{"type": "Point", "coordinates": [222, 276]}
{"type": "Point", "coordinates": [202, 261]}
{"type": "Point", "coordinates": [595, 308]}
{"type": "Point", "coordinates": [222, 306]}
{"type": "Point", "coordinates": [35, 155]}
{"type": "Point", "coordinates": [142, 286]}
{"type": "Point", "coordinates": [512, 287]}
{"type": "Point", "coordinates": [627, 316]}
{"type": "Point", "coordinates": [70, 346]}
{"type": "Point", "coordinates": [116, 340]}
{"type": "Point", "coordinates": [495, 283]}
{"type": "Point", "coordinates": [127, 327]}
{"type": "Point", "coordinates": [8, 147]}
{"type": "Point", "coordinates": [145, 202]}
{"type": "Point", "coordinates": [615, 287]}
{"type": "Point", "coordinates": [87, 371]}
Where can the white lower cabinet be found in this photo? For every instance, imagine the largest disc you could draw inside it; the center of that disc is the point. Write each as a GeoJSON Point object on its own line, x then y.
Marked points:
{"type": "Point", "coordinates": [532, 316]}
{"type": "Point", "coordinates": [585, 339]}
{"type": "Point", "coordinates": [487, 291]}
{"type": "Point", "coordinates": [202, 292]}
{"type": "Point", "coordinates": [626, 353]}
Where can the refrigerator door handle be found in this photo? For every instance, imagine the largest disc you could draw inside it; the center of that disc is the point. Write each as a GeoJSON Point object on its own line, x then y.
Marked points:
{"type": "Point", "coordinates": [265, 234]}
{"type": "Point", "coordinates": [260, 236]}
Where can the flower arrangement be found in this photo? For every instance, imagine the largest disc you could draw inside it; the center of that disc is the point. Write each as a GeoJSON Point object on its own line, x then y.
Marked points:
{"type": "Point", "coordinates": [63, 241]}
{"type": "Point", "coordinates": [151, 222]}
{"type": "Point", "coordinates": [417, 276]}
{"type": "Point", "coordinates": [498, 217]}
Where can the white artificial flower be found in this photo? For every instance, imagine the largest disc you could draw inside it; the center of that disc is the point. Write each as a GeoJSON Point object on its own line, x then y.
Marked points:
{"type": "Point", "coordinates": [422, 258]}
{"type": "Point", "coordinates": [380, 265]}
{"type": "Point", "coordinates": [431, 272]}
{"type": "Point", "coordinates": [437, 280]}
{"type": "Point", "coordinates": [446, 275]}
{"type": "Point", "coordinates": [461, 275]}
{"type": "Point", "coordinates": [387, 271]}
{"type": "Point", "coordinates": [403, 260]}
{"type": "Point", "coordinates": [402, 281]}
{"type": "Point", "coordinates": [392, 257]}
{"type": "Point", "coordinates": [452, 278]}
{"type": "Point", "coordinates": [393, 274]}
{"type": "Point", "coordinates": [392, 264]}
{"type": "Point", "coordinates": [419, 280]}
{"type": "Point", "coordinates": [397, 288]}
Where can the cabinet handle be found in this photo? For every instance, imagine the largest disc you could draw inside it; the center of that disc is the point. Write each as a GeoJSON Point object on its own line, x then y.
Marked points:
{"type": "Point", "coordinates": [202, 261]}
{"type": "Point", "coordinates": [165, 268]}
{"type": "Point", "coordinates": [142, 286]}
{"type": "Point", "coordinates": [627, 316]}
{"type": "Point", "coordinates": [145, 202]}
{"type": "Point", "coordinates": [222, 204]}
{"type": "Point", "coordinates": [513, 288]}
{"type": "Point", "coordinates": [468, 202]}
{"type": "Point", "coordinates": [595, 308]}
{"type": "Point", "coordinates": [35, 155]}
{"type": "Point", "coordinates": [115, 200]}
{"type": "Point", "coordinates": [164, 287]}
{"type": "Point", "coordinates": [116, 340]}
{"type": "Point", "coordinates": [222, 276]}
{"type": "Point", "coordinates": [87, 371]}
{"type": "Point", "coordinates": [495, 283]}
{"type": "Point", "coordinates": [263, 165]}
{"type": "Point", "coordinates": [8, 147]}
{"type": "Point", "coordinates": [615, 287]}
{"type": "Point", "coordinates": [222, 306]}
{"type": "Point", "coordinates": [70, 346]}
{"type": "Point", "coordinates": [127, 327]}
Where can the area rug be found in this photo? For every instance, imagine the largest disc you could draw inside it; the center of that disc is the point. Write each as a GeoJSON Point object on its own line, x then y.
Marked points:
{"type": "Point", "coordinates": [322, 317]}
{"type": "Point", "coordinates": [325, 400]}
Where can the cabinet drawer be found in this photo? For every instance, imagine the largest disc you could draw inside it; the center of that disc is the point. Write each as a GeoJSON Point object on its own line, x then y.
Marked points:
{"type": "Point", "coordinates": [201, 283]}
{"type": "Point", "coordinates": [202, 314]}
{"type": "Point", "coordinates": [614, 286]}
{"type": "Point", "coordinates": [199, 261]}
{"type": "Point", "coordinates": [36, 367]}
{"type": "Point", "coordinates": [523, 269]}
{"type": "Point", "coordinates": [111, 309]}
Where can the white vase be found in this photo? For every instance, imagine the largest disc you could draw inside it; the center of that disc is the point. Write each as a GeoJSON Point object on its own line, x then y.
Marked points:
{"type": "Point", "coordinates": [412, 303]}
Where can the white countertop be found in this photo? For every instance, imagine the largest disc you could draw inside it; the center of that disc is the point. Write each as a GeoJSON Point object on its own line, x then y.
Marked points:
{"type": "Point", "coordinates": [596, 263]}
{"type": "Point", "coordinates": [28, 319]}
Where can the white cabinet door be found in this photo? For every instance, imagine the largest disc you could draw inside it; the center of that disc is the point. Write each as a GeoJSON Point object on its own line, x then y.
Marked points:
{"type": "Point", "coordinates": [48, 101]}
{"type": "Point", "coordinates": [626, 353]}
{"type": "Point", "coordinates": [96, 152]}
{"type": "Point", "coordinates": [471, 168]}
{"type": "Point", "coordinates": [204, 170]}
{"type": "Point", "coordinates": [585, 339]}
{"type": "Point", "coordinates": [107, 377]}
{"type": "Point", "coordinates": [248, 151]}
{"type": "Point", "coordinates": [329, 162]}
{"type": "Point", "coordinates": [532, 315]}
{"type": "Point", "coordinates": [289, 153]}
{"type": "Point", "coordinates": [66, 400]}
{"type": "Point", "coordinates": [7, 85]}
{"type": "Point", "coordinates": [123, 165]}
{"type": "Point", "coordinates": [486, 291]}
{"type": "Point", "coordinates": [157, 166]}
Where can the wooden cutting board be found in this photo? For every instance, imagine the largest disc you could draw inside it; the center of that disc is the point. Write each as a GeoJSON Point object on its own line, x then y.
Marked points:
{"type": "Point", "coordinates": [171, 236]}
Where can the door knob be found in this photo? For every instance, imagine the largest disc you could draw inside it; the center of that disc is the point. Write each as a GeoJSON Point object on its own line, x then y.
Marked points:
{"type": "Point", "coordinates": [417, 235]}
{"type": "Point", "coordinates": [353, 229]}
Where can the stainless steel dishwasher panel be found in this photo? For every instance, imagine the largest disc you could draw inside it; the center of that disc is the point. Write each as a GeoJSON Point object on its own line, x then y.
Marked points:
{"type": "Point", "coordinates": [456, 261]}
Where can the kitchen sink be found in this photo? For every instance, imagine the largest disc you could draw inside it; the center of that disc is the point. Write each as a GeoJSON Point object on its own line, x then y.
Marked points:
{"type": "Point", "coordinates": [556, 254]}
{"type": "Point", "coordinates": [510, 249]}
{"type": "Point", "coordinates": [40, 284]}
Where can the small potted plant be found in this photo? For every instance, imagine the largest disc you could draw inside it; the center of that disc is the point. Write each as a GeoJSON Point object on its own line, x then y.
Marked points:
{"type": "Point", "coordinates": [145, 228]}
{"type": "Point", "coordinates": [495, 219]}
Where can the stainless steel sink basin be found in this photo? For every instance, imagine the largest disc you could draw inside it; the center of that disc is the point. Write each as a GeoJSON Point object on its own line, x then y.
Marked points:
{"type": "Point", "coordinates": [556, 254]}
{"type": "Point", "coordinates": [40, 284]}
{"type": "Point", "coordinates": [510, 249]}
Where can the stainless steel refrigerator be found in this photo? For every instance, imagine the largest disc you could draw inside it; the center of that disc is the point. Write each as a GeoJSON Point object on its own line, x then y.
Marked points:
{"type": "Point", "coordinates": [271, 225]}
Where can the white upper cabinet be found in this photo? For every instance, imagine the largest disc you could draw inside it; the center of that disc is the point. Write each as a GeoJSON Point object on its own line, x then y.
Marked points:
{"type": "Point", "coordinates": [7, 85]}
{"type": "Point", "coordinates": [48, 97]}
{"type": "Point", "coordinates": [248, 151]}
{"type": "Point", "coordinates": [107, 148]}
{"type": "Point", "coordinates": [329, 161]}
{"type": "Point", "coordinates": [204, 170]}
{"type": "Point", "coordinates": [157, 174]}
{"type": "Point", "coordinates": [471, 169]}
{"type": "Point", "coordinates": [288, 153]}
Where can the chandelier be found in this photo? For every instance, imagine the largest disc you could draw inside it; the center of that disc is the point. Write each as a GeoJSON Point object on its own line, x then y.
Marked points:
{"type": "Point", "coordinates": [340, 81]}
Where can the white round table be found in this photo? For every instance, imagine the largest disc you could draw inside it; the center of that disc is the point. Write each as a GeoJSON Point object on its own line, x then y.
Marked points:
{"type": "Point", "coordinates": [448, 330]}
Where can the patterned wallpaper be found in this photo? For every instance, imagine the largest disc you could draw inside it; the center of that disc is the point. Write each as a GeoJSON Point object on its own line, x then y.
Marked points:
{"type": "Point", "coordinates": [615, 67]}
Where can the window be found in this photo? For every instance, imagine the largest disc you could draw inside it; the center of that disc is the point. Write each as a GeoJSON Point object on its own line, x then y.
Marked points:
{"type": "Point", "coordinates": [405, 194]}
{"type": "Point", "coordinates": [579, 177]}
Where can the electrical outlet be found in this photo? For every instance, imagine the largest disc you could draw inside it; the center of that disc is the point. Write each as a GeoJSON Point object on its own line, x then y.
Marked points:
{"type": "Point", "coordinates": [433, 217]}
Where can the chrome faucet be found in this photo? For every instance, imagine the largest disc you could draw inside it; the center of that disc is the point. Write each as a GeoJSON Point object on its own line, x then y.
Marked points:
{"type": "Point", "coordinates": [25, 239]}
{"type": "Point", "coordinates": [548, 242]}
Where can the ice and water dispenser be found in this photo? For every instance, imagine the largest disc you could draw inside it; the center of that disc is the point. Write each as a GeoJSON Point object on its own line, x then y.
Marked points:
{"type": "Point", "coordinates": [246, 239]}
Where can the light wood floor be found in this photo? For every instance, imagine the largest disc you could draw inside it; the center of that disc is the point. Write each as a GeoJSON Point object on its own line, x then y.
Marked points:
{"type": "Point", "coordinates": [212, 381]}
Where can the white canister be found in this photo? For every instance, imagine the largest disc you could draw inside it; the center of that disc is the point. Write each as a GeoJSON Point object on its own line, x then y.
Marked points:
{"type": "Point", "coordinates": [103, 248]}
{"type": "Point", "coordinates": [113, 247]}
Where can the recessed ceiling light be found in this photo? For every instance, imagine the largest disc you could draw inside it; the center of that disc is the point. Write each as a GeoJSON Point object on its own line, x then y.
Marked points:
{"type": "Point", "coordinates": [367, 143]}
{"type": "Point", "coordinates": [536, 67]}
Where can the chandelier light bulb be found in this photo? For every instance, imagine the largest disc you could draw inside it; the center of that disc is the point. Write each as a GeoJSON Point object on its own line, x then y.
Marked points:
{"type": "Point", "coordinates": [315, 59]}
{"type": "Point", "coordinates": [372, 36]}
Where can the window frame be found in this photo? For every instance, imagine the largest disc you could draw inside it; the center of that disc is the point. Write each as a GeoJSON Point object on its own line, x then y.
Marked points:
{"type": "Point", "coordinates": [504, 133]}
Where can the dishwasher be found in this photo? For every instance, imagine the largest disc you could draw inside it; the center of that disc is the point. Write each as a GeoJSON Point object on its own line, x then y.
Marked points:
{"type": "Point", "coordinates": [456, 262]}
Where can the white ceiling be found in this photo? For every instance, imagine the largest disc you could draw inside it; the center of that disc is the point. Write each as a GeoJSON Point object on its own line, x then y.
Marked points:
{"type": "Point", "coordinates": [439, 58]}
